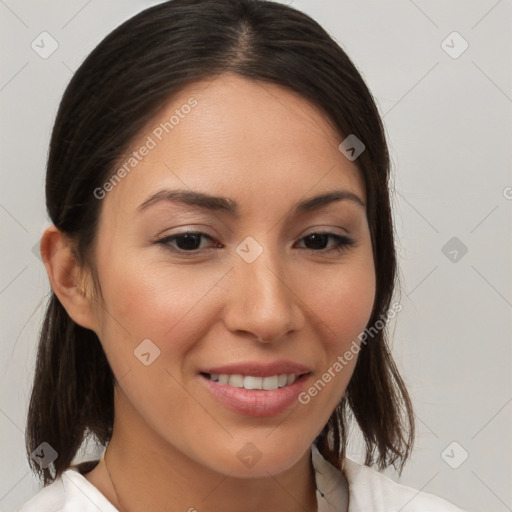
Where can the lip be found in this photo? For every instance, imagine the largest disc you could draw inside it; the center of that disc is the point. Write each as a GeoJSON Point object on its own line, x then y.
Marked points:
{"type": "Point", "coordinates": [256, 402]}
{"type": "Point", "coordinates": [259, 369]}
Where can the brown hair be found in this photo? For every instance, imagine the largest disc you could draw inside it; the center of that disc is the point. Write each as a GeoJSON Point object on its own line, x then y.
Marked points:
{"type": "Point", "coordinates": [121, 86]}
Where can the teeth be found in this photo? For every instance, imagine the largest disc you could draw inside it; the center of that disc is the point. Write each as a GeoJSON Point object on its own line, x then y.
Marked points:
{"type": "Point", "coordinates": [250, 382]}
{"type": "Point", "coordinates": [253, 382]}
{"type": "Point", "coordinates": [236, 380]}
{"type": "Point", "coordinates": [270, 383]}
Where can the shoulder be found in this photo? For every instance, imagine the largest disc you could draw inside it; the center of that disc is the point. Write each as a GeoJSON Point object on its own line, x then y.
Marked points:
{"type": "Point", "coordinates": [371, 490]}
{"type": "Point", "coordinates": [48, 499]}
{"type": "Point", "coordinates": [71, 492]}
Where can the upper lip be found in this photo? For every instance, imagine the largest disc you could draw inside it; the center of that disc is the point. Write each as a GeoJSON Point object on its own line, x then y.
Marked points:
{"type": "Point", "coordinates": [259, 369]}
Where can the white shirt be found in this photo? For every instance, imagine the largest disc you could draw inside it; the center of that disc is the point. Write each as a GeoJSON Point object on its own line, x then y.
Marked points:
{"type": "Point", "coordinates": [368, 491]}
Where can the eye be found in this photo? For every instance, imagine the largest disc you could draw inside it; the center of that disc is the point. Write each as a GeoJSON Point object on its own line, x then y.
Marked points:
{"type": "Point", "coordinates": [319, 242]}
{"type": "Point", "coordinates": [185, 242]}
{"type": "Point", "coordinates": [191, 242]}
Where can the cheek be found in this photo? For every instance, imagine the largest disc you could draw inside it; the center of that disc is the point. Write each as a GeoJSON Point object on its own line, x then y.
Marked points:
{"type": "Point", "coordinates": [344, 303]}
{"type": "Point", "coordinates": [154, 301]}
{"type": "Point", "coordinates": [343, 306]}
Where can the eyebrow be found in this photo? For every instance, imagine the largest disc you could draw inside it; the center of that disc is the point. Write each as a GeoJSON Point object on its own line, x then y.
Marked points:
{"type": "Point", "coordinates": [224, 204]}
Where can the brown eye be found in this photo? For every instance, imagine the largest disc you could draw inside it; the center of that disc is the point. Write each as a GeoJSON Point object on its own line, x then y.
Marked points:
{"type": "Point", "coordinates": [185, 242]}
{"type": "Point", "coordinates": [320, 241]}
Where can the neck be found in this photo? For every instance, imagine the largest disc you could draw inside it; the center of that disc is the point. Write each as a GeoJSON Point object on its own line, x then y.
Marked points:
{"type": "Point", "coordinates": [147, 474]}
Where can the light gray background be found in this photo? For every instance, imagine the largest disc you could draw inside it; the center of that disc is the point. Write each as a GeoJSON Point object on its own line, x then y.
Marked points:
{"type": "Point", "coordinates": [449, 126]}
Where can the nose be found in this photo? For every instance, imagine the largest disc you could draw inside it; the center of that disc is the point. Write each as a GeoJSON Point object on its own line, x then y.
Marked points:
{"type": "Point", "coordinates": [261, 300]}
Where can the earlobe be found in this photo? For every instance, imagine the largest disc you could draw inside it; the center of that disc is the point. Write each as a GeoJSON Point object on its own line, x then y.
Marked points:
{"type": "Point", "coordinates": [69, 281]}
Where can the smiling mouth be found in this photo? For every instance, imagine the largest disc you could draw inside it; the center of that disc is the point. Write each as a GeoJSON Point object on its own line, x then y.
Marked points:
{"type": "Point", "coordinates": [252, 382]}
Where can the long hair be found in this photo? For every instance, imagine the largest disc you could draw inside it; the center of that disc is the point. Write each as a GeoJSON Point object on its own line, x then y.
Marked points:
{"type": "Point", "coordinates": [116, 91]}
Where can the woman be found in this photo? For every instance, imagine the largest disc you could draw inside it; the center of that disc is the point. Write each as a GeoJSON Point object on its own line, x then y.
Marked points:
{"type": "Point", "coordinates": [222, 266]}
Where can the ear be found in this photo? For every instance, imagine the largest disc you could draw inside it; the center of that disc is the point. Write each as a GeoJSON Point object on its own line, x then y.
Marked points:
{"type": "Point", "coordinates": [70, 282]}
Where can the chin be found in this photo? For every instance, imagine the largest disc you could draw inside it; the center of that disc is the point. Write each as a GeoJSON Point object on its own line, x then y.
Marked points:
{"type": "Point", "coordinates": [249, 459]}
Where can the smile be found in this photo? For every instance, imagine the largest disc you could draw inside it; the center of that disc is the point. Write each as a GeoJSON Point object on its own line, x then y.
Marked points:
{"type": "Point", "coordinates": [269, 383]}
{"type": "Point", "coordinates": [256, 389]}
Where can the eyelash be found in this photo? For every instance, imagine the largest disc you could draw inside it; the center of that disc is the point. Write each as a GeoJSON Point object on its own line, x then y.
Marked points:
{"type": "Point", "coordinates": [342, 243]}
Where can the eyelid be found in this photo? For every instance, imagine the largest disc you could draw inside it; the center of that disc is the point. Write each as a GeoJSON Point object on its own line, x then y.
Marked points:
{"type": "Point", "coordinates": [326, 229]}
{"type": "Point", "coordinates": [194, 229]}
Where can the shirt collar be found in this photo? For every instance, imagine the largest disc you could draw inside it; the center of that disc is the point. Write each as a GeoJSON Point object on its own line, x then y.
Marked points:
{"type": "Point", "coordinates": [331, 489]}
{"type": "Point", "coordinates": [331, 485]}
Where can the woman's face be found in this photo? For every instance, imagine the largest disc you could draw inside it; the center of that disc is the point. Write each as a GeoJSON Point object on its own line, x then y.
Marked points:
{"type": "Point", "coordinates": [268, 293]}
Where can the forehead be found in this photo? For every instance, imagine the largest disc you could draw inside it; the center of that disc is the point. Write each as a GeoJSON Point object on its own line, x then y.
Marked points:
{"type": "Point", "coordinates": [232, 135]}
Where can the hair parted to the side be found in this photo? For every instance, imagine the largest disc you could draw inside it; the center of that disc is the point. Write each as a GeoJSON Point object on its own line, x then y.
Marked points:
{"type": "Point", "coordinates": [117, 90]}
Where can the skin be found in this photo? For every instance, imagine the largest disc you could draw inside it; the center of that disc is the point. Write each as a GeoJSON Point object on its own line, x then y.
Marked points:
{"type": "Point", "coordinates": [266, 148]}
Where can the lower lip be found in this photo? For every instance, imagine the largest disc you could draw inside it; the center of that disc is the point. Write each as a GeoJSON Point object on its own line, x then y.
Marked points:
{"type": "Point", "coordinates": [255, 402]}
